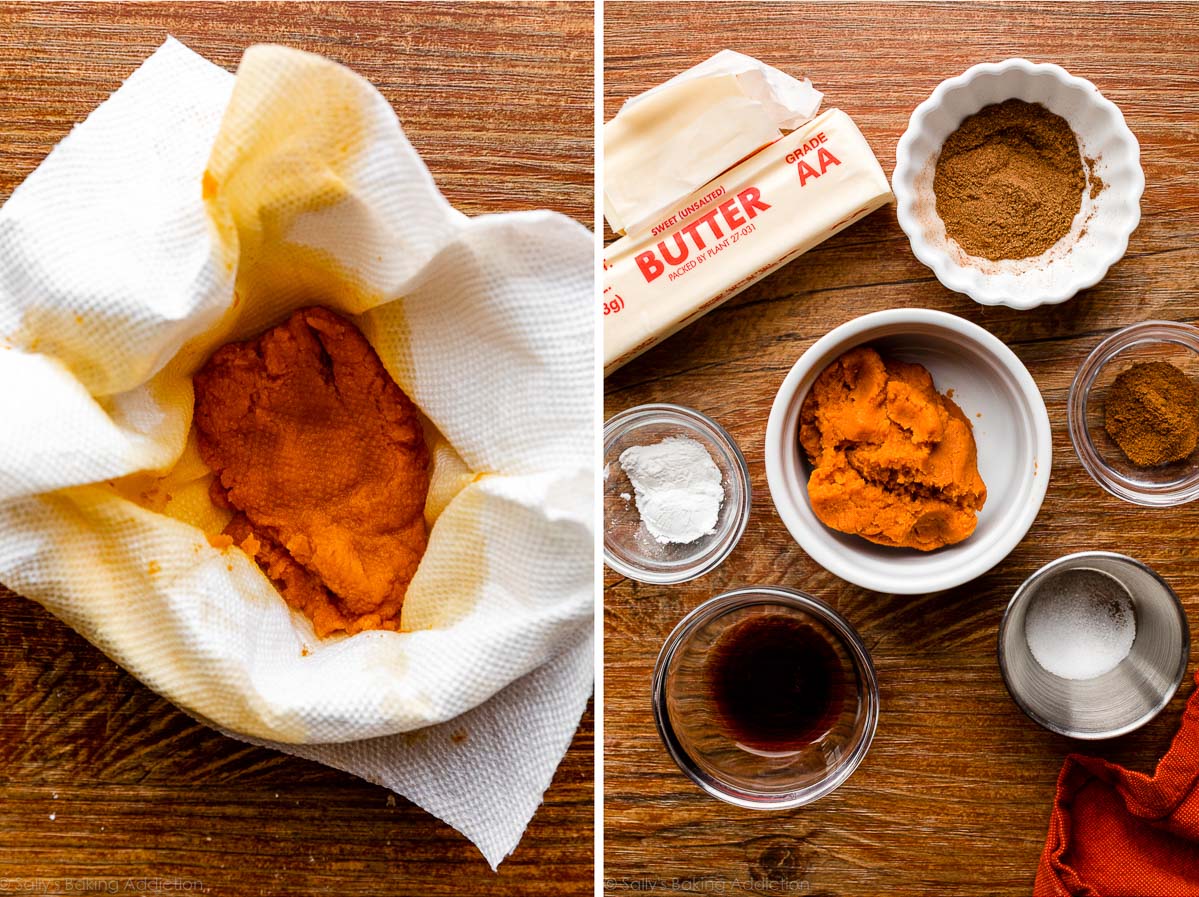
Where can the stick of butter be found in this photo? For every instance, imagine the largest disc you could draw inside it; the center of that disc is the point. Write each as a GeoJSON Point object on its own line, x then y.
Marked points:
{"type": "Point", "coordinates": [734, 230]}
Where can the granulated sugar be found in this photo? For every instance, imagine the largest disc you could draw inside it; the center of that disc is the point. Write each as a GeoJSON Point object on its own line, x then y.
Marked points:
{"type": "Point", "coordinates": [1080, 624]}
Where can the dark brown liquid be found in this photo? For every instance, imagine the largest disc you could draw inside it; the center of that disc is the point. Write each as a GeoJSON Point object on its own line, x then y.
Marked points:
{"type": "Point", "coordinates": [777, 684]}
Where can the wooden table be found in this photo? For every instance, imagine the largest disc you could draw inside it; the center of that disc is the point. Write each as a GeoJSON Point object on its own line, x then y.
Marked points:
{"type": "Point", "coordinates": [100, 779]}
{"type": "Point", "coordinates": [954, 796]}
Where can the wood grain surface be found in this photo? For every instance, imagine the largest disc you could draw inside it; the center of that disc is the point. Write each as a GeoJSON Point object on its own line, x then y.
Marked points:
{"type": "Point", "coordinates": [104, 785]}
{"type": "Point", "coordinates": [955, 794]}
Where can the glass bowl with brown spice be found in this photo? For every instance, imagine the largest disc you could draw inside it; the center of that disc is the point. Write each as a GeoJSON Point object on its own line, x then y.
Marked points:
{"type": "Point", "coordinates": [1133, 413]}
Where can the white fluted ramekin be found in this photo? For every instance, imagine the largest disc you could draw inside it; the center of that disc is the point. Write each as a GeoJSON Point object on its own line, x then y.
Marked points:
{"type": "Point", "coordinates": [1102, 227]}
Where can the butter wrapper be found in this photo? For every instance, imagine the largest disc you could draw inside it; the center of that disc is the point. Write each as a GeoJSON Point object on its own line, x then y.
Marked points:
{"type": "Point", "coordinates": [674, 138]}
{"type": "Point", "coordinates": [736, 229]}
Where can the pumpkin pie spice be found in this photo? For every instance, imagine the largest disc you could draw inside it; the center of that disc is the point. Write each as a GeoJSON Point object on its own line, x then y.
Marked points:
{"type": "Point", "coordinates": [1010, 180]}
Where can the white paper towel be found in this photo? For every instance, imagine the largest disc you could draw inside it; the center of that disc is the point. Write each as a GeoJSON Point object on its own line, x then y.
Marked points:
{"type": "Point", "coordinates": [193, 208]}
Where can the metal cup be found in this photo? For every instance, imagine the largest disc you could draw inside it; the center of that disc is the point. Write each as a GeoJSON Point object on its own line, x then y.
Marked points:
{"type": "Point", "coordinates": [1127, 696]}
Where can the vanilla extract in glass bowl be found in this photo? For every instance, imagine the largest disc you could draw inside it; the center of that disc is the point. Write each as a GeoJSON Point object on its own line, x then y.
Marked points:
{"type": "Point", "coordinates": [765, 697]}
{"type": "Point", "coordinates": [777, 685]}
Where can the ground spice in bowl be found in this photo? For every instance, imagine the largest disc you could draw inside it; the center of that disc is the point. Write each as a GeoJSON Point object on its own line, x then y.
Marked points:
{"type": "Point", "coordinates": [1010, 180]}
{"type": "Point", "coordinates": [1152, 413]}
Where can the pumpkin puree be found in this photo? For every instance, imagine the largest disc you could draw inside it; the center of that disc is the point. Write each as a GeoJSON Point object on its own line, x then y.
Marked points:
{"type": "Point", "coordinates": [894, 460]}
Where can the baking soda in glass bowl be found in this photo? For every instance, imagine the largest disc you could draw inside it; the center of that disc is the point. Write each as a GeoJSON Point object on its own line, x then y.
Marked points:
{"type": "Point", "coordinates": [676, 493]}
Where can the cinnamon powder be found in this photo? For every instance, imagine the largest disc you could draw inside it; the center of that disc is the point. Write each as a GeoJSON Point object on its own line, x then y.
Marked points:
{"type": "Point", "coordinates": [1009, 181]}
{"type": "Point", "coordinates": [1152, 413]}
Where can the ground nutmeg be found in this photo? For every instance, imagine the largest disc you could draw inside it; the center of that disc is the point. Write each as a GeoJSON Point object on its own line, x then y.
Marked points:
{"type": "Point", "coordinates": [1152, 412]}
{"type": "Point", "coordinates": [1009, 181]}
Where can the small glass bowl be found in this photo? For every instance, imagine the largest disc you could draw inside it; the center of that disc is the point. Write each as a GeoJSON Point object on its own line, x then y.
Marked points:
{"type": "Point", "coordinates": [689, 725]}
{"type": "Point", "coordinates": [629, 549]}
{"type": "Point", "coordinates": [1158, 487]}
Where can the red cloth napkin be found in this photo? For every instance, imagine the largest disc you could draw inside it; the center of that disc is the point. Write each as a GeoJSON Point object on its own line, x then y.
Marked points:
{"type": "Point", "coordinates": [1116, 833]}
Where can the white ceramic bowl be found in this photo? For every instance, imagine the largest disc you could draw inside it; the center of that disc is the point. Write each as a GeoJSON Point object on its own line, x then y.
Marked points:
{"type": "Point", "coordinates": [1101, 229]}
{"type": "Point", "coordinates": [1011, 428]}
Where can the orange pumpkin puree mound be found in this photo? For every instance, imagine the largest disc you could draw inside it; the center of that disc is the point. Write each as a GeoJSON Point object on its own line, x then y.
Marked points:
{"type": "Point", "coordinates": [894, 460]}
{"type": "Point", "coordinates": [323, 460]}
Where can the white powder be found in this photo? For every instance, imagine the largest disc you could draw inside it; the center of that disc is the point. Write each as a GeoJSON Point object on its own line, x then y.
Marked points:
{"type": "Point", "coordinates": [1080, 624]}
{"type": "Point", "coordinates": [677, 488]}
